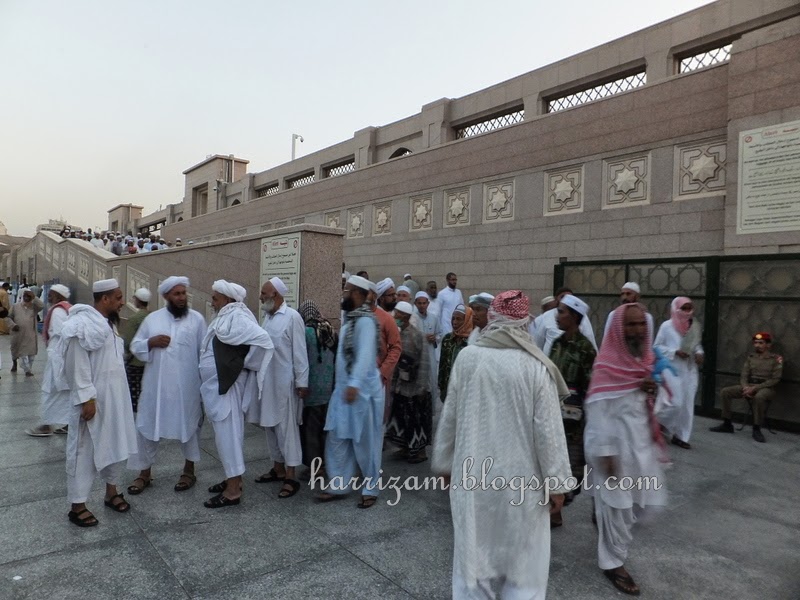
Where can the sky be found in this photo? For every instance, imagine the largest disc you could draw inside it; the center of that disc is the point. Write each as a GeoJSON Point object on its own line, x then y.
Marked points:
{"type": "Point", "coordinates": [104, 103]}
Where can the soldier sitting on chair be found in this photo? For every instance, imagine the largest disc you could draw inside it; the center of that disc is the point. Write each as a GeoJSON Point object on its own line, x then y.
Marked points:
{"type": "Point", "coordinates": [760, 374]}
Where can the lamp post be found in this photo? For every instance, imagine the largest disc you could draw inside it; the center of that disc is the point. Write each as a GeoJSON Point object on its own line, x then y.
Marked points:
{"type": "Point", "coordinates": [295, 137]}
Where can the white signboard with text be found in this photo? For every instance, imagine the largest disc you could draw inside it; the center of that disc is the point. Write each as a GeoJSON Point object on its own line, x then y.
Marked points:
{"type": "Point", "coordinates": [280, 257]}
{"type": "Point", "coordinates": [769, 179]}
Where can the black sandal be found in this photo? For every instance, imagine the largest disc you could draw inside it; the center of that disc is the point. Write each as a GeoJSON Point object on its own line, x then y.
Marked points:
{"type": "Point", "coordinates": [135, 490]}
{"type": "Point", "coordinates": [218, 488]}
{"type": "Point", "coordinates": [185, 482]}
{"type": "Point", "coordinates": [284, 493]}
{"type": "Point", "coordinates": [80, 520]}
{"type": "Point", "coordinates": [624, 583]}
{"type": "Point", "coordinates": [220, 501]}
{"type": "Point", "coordinates": [120, 507]}
{"type": "Point", "coordinates": [269, 477]}
{"type": "Point", "coordinates": [367, 501]}
{"type": "Point", "coordinates": [415, 459]}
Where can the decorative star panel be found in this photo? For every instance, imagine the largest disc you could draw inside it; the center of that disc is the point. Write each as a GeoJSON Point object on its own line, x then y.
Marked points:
{"type": "Point", "coordinates": [563, 191]}
{"type": "Point", "coordinates": [382, 219]}
{"type": "Point", "coordinates": [333, 219]}
{"type": "Point", "coordinates": [421, 213]}
{"type": "Point", "coordinates": [456, 207]}
{"type": "Point", "coordinates": [498, 201]}
{"type": "Point", "coordinates": [700, 169]}
{"type": "Point", "coordinates": [626, 181]}
{"type": "Point", "coordinates": [355, 222]}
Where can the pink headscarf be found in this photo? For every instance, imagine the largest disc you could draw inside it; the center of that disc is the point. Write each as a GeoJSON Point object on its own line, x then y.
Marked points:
{"type": "Point", "coordinates": [681, 320]}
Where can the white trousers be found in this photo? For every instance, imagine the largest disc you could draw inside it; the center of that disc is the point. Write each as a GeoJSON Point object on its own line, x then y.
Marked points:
{"type": "Point", "coordinates": [615, 533]}
{"type": "Point", "coordinates": [283, 443]}
{"type": "Point", "coordinates": [494, 589]}
{"type": "Point", "coordinates": [79, 485]}
{"type": "Point", "coordinates": [26, 362]}
{"type": "Point", "coordinates": [229, 436]}
{"type": "Point", "coordinates": [146, 456]}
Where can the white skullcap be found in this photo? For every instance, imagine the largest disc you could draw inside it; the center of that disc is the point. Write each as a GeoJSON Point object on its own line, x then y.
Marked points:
{"type": "Point", "coordinates": [422, 295]}
{"type": "Point", "coordinates": [407, 276]}
{"type": "Point", "coordinates": [547, 300]}
{"type": "Point", "coordinates": [231, 290]}
{"type": "Point", "coordinates": [482, 299]}
{"type": "Point", "coordinates": [279, 286]}
{"type": "Point", "coordinates": [61, 290]}
{"type": "Point", "coordinates": [360, 282]}
{"type": "Point", "coordinates": [576, 304]}
{"type": "Point", "coordinates": [178, 239]}
{"type": "Point", "coordinates": [104, 285]}
{"type": "Point", "coordinates": [169, 283]}
{"type": "Point", "coordinates": [384, 286]}
{"type": "Point", "coordinates": [144, 294]}
{"type": "Point", "coordinates": [632, 286]}
{"type": "Point", "coordinates": [403, 288]}
{"type": "Point", "coordinates": [460, 308]}
{"type": "Point", "coordinates": [404, 307]}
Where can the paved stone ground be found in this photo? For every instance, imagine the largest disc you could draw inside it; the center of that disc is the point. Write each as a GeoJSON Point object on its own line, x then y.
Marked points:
{"type": "Point", "coordinates": [731, 529]}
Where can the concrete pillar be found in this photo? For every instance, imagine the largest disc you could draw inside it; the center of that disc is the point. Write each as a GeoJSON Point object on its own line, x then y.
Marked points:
{"type": "Point", "coordinates": [365, 146]}
{"type": "Point", "coordinates": [659, 66]}
{"type": "Point", "coordinates": [435, 123]}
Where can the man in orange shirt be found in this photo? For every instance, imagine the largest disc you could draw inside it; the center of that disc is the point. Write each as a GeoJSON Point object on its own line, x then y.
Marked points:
{"type": "Point", "coordinates": [383, 300]}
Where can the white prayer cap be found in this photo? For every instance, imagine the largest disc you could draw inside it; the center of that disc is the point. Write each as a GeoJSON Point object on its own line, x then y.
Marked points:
{"type": "Point", "coordinates": [144, 294]}
{"type": "Point", "coordinates": [547, 300]}
{"type": "Point", "coordinates": [482, 299]}
{"type": "Point", "coordinates": [576, 304]}
{"type": "Point", "coordinates": [422, 295]}
{"type": "Point", "coordinates": [460, 309]}
{"type": "Point", "coordinates": [403, 288]}
{"type": "Point", "coordinates": [169, 283]}
{"type": "Point", "coordinates": [361, 283]}
{"type": "Point", "coordinates": [384, 286]}
{"type": "Point", "coordinates": [230, 290]}
{"type": "Point", "coordinates": [407, 276]}
{"type": "Point", "coordinates": [279, 286]}
{"type": "Point", "coordinates": [404, 307]}
{"type": "Point", "coordinates": [632, 286]}
{"type": "Point", "coordinates": [178, 239]}
{"type": "Point", "coordinates": [59, 289]}
{"type": "Point", "coordinates": [104, 285]}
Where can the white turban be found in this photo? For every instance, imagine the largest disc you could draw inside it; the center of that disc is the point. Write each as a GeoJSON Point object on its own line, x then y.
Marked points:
{"type": "Point", "coordinates": [169, 283]}
{"type": "Point", "coordinates": [360, 282]}
{"type": "Point", "coordinates": [404, 307]}
{"type": "Point", "coordinates": [231, 290]}
{"type": "Point", "coordinates": [144, 294]}
{"type": "Point", "coordinates": [422, 295]}
{"type": "Point", "coordinates": [632, 286]}
{"type": "Point", "coordinates": [407, 276]}
{"type": "Point", "coordinates": [576, 304]}
{"type": "Point", "coordinates": [403, 288]}
{"type": "Point", "coordinates": [104, 285]}
{"type": "Point", "coordinates": [547, 300]}
{"type": "Point", "coordinates": [482, 299]}
{"type": "Point", "coordinates": [384, 286]}
{"type": "Point", "coordinates": [279, 286]}
{"type": "Point", "coordinates": [61, 290]}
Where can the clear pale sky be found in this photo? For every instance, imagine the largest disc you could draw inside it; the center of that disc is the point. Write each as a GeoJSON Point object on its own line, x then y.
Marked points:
{"type": "Point", "coordinates": [105, 103]}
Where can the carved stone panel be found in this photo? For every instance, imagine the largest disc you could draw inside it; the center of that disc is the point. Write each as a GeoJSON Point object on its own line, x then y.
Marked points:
{"type": "Point", "coordinates": [498, 201]}
{"type": "Point", "coordinates": [83, 268]}
{"type": "Point", "coordinates": [333, 219]}
{"type": "Point", "coordinates": [99, 271]}
{"type": "Point", "coordinates": [355, 222]}
{"type": "Point", "coordinates": [72, 259]}
{"type": "Point", "coordinates": [626, 181]}
{"type": "Point", "coordinates": [421, 213]}
{"type": "Point", "coordinates": [456, 207]}
{"type": "Point", "coordinates": [700, 169]}
{"type": "Point", "coordinates": [563, 191]}
{"type": "Point", "coordinates": [382, 219]}
{"type": "Point", "coordinates": [136, 280]}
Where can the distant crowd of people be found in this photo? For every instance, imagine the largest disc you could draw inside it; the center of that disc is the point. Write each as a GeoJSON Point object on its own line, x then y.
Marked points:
{"type": "Point", "coordinates": [119, 244]}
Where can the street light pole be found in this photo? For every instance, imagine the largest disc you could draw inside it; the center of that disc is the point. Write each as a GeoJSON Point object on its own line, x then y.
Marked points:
{"type": "Point", "coordinates": [295, 137]}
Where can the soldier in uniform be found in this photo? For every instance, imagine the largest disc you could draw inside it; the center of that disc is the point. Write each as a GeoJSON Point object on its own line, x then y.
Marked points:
{"type": "Point", "coordinates": [760, 374]}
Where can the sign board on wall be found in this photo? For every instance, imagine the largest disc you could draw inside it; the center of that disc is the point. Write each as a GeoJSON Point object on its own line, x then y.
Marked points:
{"type": "Point", "coordinates": [280, 257]}
{"type": "Point", "coordinates": [769, 179]}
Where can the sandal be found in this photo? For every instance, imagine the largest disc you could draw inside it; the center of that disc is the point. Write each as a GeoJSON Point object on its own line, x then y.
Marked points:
{"type": "Point", "coordinates": [83, 521]}
{"type": "Point", "coordinates": [121, 506]}
{"type": "Point", "coordinates": [680, 443]}
{"type": "Point", "coordinates": [415, 459]}
{"type": "Point", "coordinates": [220, 501]}
{"type": "Point", "coordinates": [367, 501]}
{"type": "Point", "coordinates": [218, 488]}
{"type": "Point", "coordinates": [294, 488]}
{"type": "Point", "coordinates": [185, 482]}
{"type": "Point", "coordinates": [323, 498]}
{"type": "Point", "coordinates": [624, 583]}
{"type": "Point", "coordinates": [135, 489]}
{"type": "Point", "coordinates": [269, 477]}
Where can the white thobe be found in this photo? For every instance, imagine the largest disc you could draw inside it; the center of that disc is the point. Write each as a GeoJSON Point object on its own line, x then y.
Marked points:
{"type": "Point", "coordinates": [97, 243]}
{"type": "Point", "coordinates": [430, 325]}
{"type": "Point", "coordinates": [677, 414]}
{"type": "Point", "coordinates": [523, 435]}
{"type": "Point", "coordinates": [56, 405]}
{"type": "Point", "coordinates": [280, 409]}
{"type": "Point", "coordinates": [448, 299]}
{"type": "Point", "coordinates": [546, 330]}
{"type": "Point", "coordinates": [620, 427]}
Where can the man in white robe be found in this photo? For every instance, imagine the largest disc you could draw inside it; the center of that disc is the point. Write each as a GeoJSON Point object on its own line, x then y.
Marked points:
{"type": "Point", "coordinates": [622, 439]}
{"type": "Point", "coordinates": [629, 294]}
{"type": "Point", "coordinates": [547, 330]}
{"type": "Point", "coordinates": [234, 359]}
{"type": "Point", "coordinates": [448, 299]}
{"type": "Point", "coordinates": [56, 407]}
{"type": "Point", "coordinates": [102, 435]}
{"type": "Point", "coordinates": [280, 409]}
{"type": "Point", "coordinates": [502, 536]}
{"type": "Point", "coordinates": [168, 344]}
{"type": "Point", "coordinates": [24, 337]}
{"type": "Point", "coordinates": [431, 329]}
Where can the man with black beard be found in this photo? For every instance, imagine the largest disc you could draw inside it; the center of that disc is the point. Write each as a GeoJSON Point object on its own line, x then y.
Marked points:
{"type": "Point", "coordinates": [168, 343]}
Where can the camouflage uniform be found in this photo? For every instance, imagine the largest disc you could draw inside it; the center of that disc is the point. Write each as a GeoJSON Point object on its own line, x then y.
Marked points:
{"type": "Point", "coordinates": [761, 371]}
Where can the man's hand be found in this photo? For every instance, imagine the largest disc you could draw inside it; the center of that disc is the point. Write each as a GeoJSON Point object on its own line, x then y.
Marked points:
{"type": "Point", "coordinates": [303, 392]}
{"type": "Point", "coordinates": [748, 391]}
{"type": "Point", "coordinates": [556, 503]}
{"type": "Point", "coordinates": [431, 337]}
{"type": "Point", "coordinates": [699, 359]}
{"type": "Point", "coordinates": [609, 465]}
{"type": "Point", "coordinates": [681, 354]}
{"type": "Point", "coordinates": [158, 341]}
{"type": "Point", "coordinates": [15, 328]}
{"type": "Point", "coordinates": [648, 386]}
{"type": "Point", "coordinates": [350, 394]}
{"type": "Point", "coordinates": [88, 409]}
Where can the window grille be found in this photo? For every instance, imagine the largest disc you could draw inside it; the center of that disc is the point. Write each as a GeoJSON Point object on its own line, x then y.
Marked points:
{"type": "Point", "coordinates": [340, 169]}
{"type": "Point", "coordinates": [705, 59]}
{"type": "Point", "coordinates": [300, 181]}
{"type": "Point", "coordinates": [597, 92]}
{"type": "Point", "coordinates": [497, 122]}
{"type": "Point", "coordinates": [268, 191]}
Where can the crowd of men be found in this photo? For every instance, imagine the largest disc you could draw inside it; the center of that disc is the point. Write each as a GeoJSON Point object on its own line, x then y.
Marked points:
{"type": "Point", "coordinates": [121, 244]}
{"type": "Point", "coordinates": [536, 395]}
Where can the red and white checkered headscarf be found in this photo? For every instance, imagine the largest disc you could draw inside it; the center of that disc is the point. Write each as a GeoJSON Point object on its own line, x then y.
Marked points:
{"type": "Point", "coordinates": [512, 304]}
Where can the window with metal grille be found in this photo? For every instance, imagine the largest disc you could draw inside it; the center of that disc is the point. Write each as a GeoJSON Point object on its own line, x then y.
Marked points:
{"type": "Point", "coordinates": [340, 169]}
{"type": "Point", "coordinates": [703, 59]}
{"type": "Point", "coordinates": [496, 122]}
{"type": "Point", "coordinates": [597, 92]}
{"type": "Point", "coordinates": [268, 191]}
{"type": "Point", "coordinates": [300, 181]}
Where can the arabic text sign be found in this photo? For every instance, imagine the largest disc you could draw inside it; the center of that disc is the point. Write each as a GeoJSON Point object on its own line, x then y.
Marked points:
{"type": "Point", "coordinates": [280, 257]}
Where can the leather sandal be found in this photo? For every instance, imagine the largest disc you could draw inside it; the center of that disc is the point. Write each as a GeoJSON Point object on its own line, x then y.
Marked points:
{"type": "Point", "coordinates": [288, 493]}
{"type": "Point", "coordinates": [121, 507]}
{"type": "Point", "coordinates": [135, 489]}
{"type": "Point", "coordinates": [84, 518]}
{"type": "Point", "coordinates": [221, 501]}
{"type": "Point", "coordinates": [185, 482]}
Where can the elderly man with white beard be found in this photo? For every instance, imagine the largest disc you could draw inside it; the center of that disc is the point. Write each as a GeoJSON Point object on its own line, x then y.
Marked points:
{"type": "Point", "coordinates": [168, 343]}
{"type": "Point", "coordinates": [281, 407]}
{"type": "Point", "coordinates": [234, 359]}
